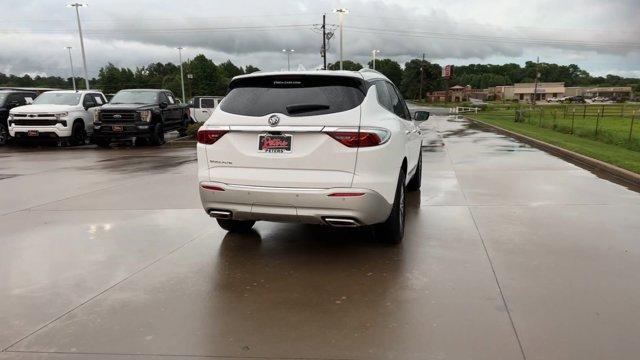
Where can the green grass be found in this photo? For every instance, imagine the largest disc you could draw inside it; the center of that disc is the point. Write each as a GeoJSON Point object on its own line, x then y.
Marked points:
{"type": "Point", "coordinates": [610, 153]}
{"type": "Point", "coordinates": [610, 124]}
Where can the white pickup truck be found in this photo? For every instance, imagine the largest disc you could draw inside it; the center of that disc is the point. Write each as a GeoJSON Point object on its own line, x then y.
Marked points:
{"type": "Point", "coordinates": [65, 116]}
{"type": "Point", "coordinates": [202, 107]}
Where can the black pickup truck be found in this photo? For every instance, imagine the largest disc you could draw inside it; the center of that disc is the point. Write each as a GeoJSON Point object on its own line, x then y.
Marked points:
{"type": "Point", "coordinates": [8, 100]}
{"type": "Point", "coordinates": [143, 114]}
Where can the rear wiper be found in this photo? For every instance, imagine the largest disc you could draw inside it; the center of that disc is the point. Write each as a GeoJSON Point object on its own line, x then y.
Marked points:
{"type": "Point", "coordinates": [300, 108]}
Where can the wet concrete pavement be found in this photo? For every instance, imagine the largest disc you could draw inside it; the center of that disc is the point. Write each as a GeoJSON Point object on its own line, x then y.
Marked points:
{"type": "Point", "coordinates": [510, 253]}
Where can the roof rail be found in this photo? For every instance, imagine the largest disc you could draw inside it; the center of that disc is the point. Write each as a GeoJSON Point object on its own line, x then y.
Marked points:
{"type": "Point", "coordinates": [370, 70]}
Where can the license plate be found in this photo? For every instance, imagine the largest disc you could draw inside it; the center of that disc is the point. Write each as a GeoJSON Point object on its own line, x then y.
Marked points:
{"type": "Point", "coordinates": [274, 143]}
{"type": "Point", "coordinates": [116, 128]}
{"type": "Point", "coordinates": [33, 133]}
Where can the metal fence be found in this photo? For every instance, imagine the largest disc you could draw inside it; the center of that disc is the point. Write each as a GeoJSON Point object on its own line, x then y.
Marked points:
{"type": "Point", "coordinates": [615, 124]}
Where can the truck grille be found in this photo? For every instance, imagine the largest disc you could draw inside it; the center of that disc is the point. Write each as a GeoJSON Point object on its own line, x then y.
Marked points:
{"type": "Point", "coordinates": [117, 117]}
{"type": "Point", "coordinates": [35, 122]}
{"type": "Point", "coordinates": [34, 116]}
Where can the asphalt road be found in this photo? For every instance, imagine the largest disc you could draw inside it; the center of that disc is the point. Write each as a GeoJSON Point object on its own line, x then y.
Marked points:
{"type": "Point", "coordinates": [510, 253]}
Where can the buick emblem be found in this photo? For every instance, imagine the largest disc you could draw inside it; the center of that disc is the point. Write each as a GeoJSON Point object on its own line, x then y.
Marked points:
{"type": "Point", "coordinates": [274, 120]}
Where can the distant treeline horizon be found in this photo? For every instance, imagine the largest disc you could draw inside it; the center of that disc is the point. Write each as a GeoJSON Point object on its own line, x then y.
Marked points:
{"type": "Point", "coordinates": [204, 77]}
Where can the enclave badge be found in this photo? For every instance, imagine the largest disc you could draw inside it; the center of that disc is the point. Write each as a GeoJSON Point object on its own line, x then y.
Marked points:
{"type": "Point", "coordinates": [274, 120]}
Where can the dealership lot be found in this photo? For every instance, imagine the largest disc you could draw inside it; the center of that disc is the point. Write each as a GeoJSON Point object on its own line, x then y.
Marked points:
{"type": "Point", "coordinates": [509, 253]}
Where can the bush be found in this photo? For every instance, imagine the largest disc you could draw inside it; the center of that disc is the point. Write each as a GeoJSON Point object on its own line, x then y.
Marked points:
{"type": "Point", "coordinates": [192, 130]}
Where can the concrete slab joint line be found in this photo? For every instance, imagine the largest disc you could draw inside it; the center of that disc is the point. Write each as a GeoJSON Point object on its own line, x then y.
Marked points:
{"type": "Point", "coordinates": [623, 174]}
{"type": "Point", "coordinates": [486, 252]}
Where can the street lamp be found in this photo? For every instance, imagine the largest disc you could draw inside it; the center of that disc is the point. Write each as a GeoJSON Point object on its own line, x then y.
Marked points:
{"type": "Point", "coordinates": [84, 58]}
{"type": "Point", "coordinates": [374, 52]}
{"type": "Point", "coordinates": [342, 12]}
{"type": "Point", "coordinates": [289, 52]}
{"type": "Point", "coordinates": [73, 74]}
{"type": "Point", "coordinates": [181, 71]}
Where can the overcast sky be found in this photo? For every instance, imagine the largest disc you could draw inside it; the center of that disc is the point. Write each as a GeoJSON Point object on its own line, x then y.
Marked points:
{"type": "Point", "coordinates": [602, 36]}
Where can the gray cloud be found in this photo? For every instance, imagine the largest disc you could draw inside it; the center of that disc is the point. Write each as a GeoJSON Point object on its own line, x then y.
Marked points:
{"type": "Point", "coordinates": [129, 33]}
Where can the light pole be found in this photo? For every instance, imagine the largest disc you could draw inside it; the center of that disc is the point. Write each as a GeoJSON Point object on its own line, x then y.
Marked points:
{"type": "Point", "coordinates": [84, 58]}
{"type": "Point", "coordinates": [73, 74]}
{"type": "Point", "coordinates": [341, 12]}
{"type": "Point", "coordinates": [181, 71]}
{"type": "Point", "coordinates": [289, 52]}
{"type": "Point", "coordinates": [374, 52]}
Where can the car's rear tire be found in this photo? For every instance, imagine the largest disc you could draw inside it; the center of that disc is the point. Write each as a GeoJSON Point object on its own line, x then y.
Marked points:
{"type": "Point", "coordinates": [4, 135]}
{"type": "Point", "coordinates": [416, 180]}
{"type": "Point", "coordinates": [182, 131]}
{"type": "Point", "coordinates": [236, 226]}
{"type": "Point", "coordinates": [157, 138]}
{"type": "Point", "coordinates": [392, 230]}
{"type": "Point", "coordinates": [103, 143]}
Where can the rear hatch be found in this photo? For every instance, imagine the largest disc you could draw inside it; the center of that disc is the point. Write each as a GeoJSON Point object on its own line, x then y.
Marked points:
{"type": "Point", "coordinates": [277, 131]}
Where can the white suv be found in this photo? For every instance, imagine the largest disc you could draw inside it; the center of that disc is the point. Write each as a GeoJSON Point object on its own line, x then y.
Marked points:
{"type": "Point", "coordinates": [59, 115]}
{"type": "Point", "coordinates": [323, 147]}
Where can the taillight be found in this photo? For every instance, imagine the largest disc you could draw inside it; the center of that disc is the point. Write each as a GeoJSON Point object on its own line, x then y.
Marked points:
{"type": "Point", "coordinates": [362, 138]}
{"type": "Point", "coordinates": [209, 137]}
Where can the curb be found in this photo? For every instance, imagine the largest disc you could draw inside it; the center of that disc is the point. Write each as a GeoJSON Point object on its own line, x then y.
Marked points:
{"type": "Point", "coordinates": [184, 141]}
{"type": "Point", "coordinates": [620, 173]}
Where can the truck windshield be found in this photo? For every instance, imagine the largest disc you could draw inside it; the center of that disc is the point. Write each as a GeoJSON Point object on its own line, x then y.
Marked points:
{"type": "Point", "coordinates": [58, 98]}
{"type": "Point", "coordinates": [135, 97]}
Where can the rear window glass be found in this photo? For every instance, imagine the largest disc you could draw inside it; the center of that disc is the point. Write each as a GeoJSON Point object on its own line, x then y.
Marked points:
{"type": "Point", "coordinates": [297, 95]}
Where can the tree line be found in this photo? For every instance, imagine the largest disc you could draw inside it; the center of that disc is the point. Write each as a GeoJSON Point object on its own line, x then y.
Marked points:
{"type": "Point", "coordinates": [204, 77]}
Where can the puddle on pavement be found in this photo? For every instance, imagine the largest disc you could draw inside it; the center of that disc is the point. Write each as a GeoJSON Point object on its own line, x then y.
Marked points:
{"type": "Point", "coordinates": [141, 163]}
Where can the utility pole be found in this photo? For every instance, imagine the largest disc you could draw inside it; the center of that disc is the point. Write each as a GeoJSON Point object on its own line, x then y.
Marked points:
{"type": "Point", "coordinates": [535, 88]}
{"type": "Point", "coordinates": [84, 58]}
{"type": "Point", "coordinates": [324, 41]}
{"type": "Point", "coordinates": [374, 52]}
{"type": "Point", "coordinates": [73, 74]}
{"type": "Point", "coordinates": [421, 75]}
{"type": "Point", "coordinates": [181, 72]}
{"type": "Point", "coordinates": [341, 13]}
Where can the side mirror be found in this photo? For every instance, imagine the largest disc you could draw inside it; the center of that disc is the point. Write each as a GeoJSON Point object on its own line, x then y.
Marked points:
{"type": "Point", "coordinates": [421, 115]}
{"type": "Point", "coordinates": [164, 105]}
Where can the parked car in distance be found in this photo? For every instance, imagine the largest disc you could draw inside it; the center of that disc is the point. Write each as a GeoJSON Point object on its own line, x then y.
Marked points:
{"type": "Point", "coordinates": [141, 114]}
{"type": "Point", "coordinates": [337, 148]}
{"type": "Point", "coordinates": [553, 100]}
{"type": "Point", "coordinates": [63, 115]}
{"type": "Point", "coordinates": [574, 99]}
{"type": "Point", "coordinates": [202, 107]}
{"type": "Point", "coordinates": [10, 99]}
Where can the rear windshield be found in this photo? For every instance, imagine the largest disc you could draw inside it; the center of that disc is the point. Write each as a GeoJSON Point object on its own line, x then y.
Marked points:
{"type": "Point", "coordinates": [294, 95]}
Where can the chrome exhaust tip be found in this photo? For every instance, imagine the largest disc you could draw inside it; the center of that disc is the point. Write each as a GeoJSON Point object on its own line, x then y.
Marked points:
{"type": "Point", "coordinates": [220, 214]}
{"type": "Point", "coordinates": [342, 222]}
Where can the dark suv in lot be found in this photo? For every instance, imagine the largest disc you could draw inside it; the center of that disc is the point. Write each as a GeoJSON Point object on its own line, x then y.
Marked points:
{"type": "Point", "coordinates": [8, 100]}
{"type": "Point", "coordinates": [143, 114]}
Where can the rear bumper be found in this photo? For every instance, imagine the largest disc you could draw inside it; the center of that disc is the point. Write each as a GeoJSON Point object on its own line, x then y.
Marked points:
{"type": "Point", "coordinates": [311, 206]}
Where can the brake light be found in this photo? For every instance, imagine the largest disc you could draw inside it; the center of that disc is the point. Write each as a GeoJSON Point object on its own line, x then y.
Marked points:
{"type": "Point", "coordinates": [209, 137]}
{"type": "Point", "coordinates": [362, 138]}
